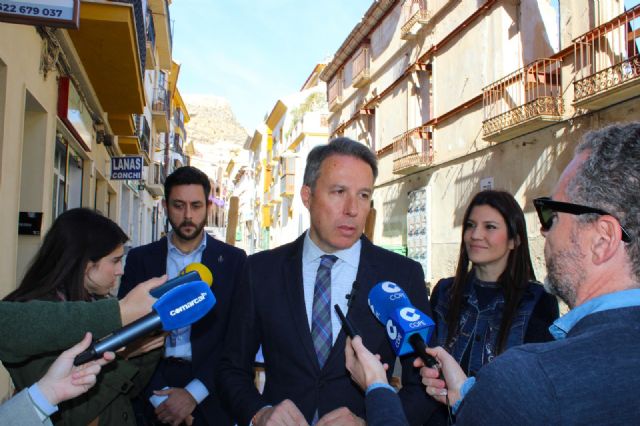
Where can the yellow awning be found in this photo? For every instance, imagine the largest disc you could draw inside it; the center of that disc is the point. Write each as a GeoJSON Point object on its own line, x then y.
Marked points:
{"type": "Point", "coordinates": [122, 124]}
{"type": "Point", "coordinates": [129, 145]}
{"type": "Point", "coordinates": [107, 45]}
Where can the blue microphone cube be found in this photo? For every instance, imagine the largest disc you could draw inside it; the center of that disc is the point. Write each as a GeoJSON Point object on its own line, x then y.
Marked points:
{"type": "Point", "coordinates": [403, 323]}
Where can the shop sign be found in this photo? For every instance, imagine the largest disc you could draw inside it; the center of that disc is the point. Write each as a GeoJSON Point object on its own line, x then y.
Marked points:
{"type": "Point", "coordinates": [123, 168]}
{"type": "Point", "coordinates": [52, 13]}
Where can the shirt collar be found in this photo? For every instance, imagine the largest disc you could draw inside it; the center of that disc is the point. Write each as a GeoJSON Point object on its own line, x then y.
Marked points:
{"type": "Point", "coordinates": [174, 249]}
{"type": "Point", "coordinates": [311, 252]}
{"type": "Point", "coordinates": [620, 299]}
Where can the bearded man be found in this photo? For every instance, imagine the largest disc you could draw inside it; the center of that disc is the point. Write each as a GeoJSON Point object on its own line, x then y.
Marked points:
{"type": "Point", "coordinates": [182, 387]}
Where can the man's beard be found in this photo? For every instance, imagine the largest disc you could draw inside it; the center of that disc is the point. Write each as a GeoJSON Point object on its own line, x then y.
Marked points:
{"type": "Point", "coordinates": [196, 233]}
{"type": "Point", "coordinates": [564, 272]}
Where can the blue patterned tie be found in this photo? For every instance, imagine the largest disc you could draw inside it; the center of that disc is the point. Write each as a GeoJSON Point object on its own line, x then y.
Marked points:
{"type": "Point", "coordinates": [321, 313]}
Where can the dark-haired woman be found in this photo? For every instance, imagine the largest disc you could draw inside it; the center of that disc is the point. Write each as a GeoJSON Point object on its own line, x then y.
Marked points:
{"type": "Point", "coordinates": [493, 302]}
{"type": "Point", "coordinates": [80, 260]}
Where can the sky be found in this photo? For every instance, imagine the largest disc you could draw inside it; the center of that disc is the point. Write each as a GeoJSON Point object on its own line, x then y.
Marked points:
{"type": "Point", "coordinates": [253, 52]}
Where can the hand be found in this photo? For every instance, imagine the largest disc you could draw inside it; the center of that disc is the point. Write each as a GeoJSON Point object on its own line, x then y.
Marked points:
{"type": "Point", "coordinates": [365, 367]}
{"type": "Point", "coordinates": [143, 345]}
{"type": "Point", "coordinates": [454, 377]}
{"type": "Point", "coordinates": [138, 301]}
{"type": "Point", "coordinates": [177, 408]}
{"type": "Point", "coordinates": [286, 414]}
{"type": "Point", "coordinates": [64, 381]}
{"type": "Point", "coordinates": [341, 417]}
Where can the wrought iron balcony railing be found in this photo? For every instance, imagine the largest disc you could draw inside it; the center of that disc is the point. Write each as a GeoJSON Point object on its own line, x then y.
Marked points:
{"type": "Point", "coordinates": [413, 150]}
{"type": "Point", "coordinates": [415, 15]}
{"type": "Point", "coordinates": [160, 101]}
{"type": "Point", "coordinates": [523, 101]}
{"type": "Point", "coordinates": [608, 62]}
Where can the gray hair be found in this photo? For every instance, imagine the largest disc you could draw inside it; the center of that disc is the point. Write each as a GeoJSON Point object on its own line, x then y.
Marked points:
{"type": "Point", "coordinates": [337, 146]}
{"type": "Point", "coordinates": [609, 179]}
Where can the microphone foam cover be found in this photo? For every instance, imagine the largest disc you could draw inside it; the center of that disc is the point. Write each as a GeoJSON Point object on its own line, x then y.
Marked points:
{"type": "Point", "coordinates": [183, 305]}
{"type": "Point", "coordinates": [201, 269]}
{"type": "Point", "coordinates": [384, 298]}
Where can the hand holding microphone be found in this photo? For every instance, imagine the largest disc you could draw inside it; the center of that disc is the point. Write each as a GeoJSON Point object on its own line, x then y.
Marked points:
{"type": "Point", "coordinates": [178, 307]}
{"type": "Point", "coordinates": [408, 329]}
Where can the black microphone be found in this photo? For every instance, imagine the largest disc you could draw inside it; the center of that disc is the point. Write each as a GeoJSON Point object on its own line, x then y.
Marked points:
{"type": "Point", "coordinates": [177, 308]}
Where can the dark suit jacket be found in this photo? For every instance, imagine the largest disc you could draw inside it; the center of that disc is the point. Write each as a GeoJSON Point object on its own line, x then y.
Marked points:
{"type": "Point", "coordinates": [269, 309]}
{"type": "Point", "coordinates": [226, 263]}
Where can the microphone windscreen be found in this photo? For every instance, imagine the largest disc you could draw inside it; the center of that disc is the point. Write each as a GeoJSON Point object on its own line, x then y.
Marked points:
{"type": "Point", "coordinates": [202, 270]}
{"type": "Point", "coordinates": [392, 307]}
{"type": "Point", "coordinates": [384, 298]}
{"type": "Point", "coordinates": [184, 305]}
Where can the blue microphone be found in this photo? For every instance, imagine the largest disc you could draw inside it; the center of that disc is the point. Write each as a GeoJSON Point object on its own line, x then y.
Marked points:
{"type": "Point", "coordinates": [179, 307]}
{"type": "Point", "coordinates": [407, 327]}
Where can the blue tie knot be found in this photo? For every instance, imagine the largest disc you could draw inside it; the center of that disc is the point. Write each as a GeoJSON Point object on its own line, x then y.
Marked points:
{"type": "Point", "coordinates": [327, 260]}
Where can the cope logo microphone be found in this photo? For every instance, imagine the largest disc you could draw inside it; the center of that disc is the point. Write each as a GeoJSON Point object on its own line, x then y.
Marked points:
{"type": "Point", "coordinates": [405, 324]}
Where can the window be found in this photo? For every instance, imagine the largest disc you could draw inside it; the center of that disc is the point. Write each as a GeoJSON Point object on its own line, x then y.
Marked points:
{"type": "Point", "coordinates": [67, 178]}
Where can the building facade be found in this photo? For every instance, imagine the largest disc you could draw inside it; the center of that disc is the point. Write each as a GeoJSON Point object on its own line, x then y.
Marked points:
{"type": "Point", "coordinates": [278, 150]}
{"type": "Point", "coordinates": [72, 101]}
{"type": "Point", "coordinates": [459, 96]}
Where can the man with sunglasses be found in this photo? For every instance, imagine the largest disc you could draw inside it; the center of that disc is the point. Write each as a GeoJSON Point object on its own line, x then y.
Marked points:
{"type": "Point", "coordinates": [589, 374]}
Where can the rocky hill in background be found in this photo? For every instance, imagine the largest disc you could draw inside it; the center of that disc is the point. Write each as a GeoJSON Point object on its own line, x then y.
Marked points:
{"type": "Point", "coordinates": [215, 132]}
{"type": "Point", "coordinates": [212, 121]}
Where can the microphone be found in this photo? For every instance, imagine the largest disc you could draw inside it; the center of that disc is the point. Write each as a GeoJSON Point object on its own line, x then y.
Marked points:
{"type": "Point", "coordinates": [177, 308]}
{"type": "Point", "coordinates": [352, 295]}
{"type": "Point", "coordinates": [407, 327]}
{"type": "Point", "coordinates": [192, 272]}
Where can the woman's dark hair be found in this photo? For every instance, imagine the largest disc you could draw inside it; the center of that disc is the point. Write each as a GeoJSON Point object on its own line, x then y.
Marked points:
{"type": "Point", "coordinates": [513, 281]}
{"type": "Point", "coordinates": [76, 237]}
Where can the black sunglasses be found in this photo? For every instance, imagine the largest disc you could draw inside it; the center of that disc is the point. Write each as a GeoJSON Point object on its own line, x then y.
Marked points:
{"type": "Point", "coordinates": [545, 207]}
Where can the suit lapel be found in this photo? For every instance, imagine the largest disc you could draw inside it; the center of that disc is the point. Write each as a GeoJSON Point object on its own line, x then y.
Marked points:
{"type": "Point", "coordinates": [294, 289]}
{"type": "Point", "coordinates": [156, 261]}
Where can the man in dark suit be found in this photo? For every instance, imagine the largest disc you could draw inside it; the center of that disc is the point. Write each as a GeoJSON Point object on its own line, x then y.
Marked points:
{"type": "Point", "coordinates": [285, 300]}
{"type": "Point", "coordinates": [182, 388]}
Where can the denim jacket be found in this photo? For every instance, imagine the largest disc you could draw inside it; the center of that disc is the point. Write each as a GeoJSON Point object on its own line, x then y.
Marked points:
{"type": "Point", "coordinates": [480, 328]}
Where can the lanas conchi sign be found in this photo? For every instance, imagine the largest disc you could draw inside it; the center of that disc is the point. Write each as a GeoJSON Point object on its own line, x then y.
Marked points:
{"type": "Point", "coordinates": [52, 13]}
{"type": "Point", "coordinates": [126, 168]}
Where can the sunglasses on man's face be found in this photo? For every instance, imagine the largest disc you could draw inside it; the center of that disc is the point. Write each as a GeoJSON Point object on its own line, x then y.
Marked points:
{"type": "Point", "coordinates": [546, 208]}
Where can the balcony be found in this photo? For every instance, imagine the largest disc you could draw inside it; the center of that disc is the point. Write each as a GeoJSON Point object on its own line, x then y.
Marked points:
{"type": "Point", "coordinates": [155, 183]}
{"type": "Point", "coordinates": [287, 186]}
{"type": "Point", "coordinates": [151, 43]}
{"type": "Point", "coordinates": [177, 145]}
{"type": "Point", "coordinates": [275, 195]}
{"type": "Point", "coordinates": [162, 25]}
{"type": "Point", "coordinates": [144, 136]}
{"type": "Point", "coordinates": [608, 63]}
{"type": "Point", "coordinates": [360, 68]}
{"type": "Point", "coordinates": [311, 123]}
{"type": "Point", "coordinates": [413, 151]}
{"type": "Point", "coordinates": [334, 92]}
{"type": "Point", "coordinates": [160, 109]}
{"type": "Point", "coordinates": [523, 101]}
{"type": "Point", "coordinates": [415, 16]}
{"type": "Point", "coordinates": [178, 119]}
